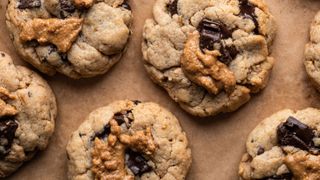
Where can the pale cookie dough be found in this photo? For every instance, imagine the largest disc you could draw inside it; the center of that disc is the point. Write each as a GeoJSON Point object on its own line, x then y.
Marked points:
{"type": "Point", "coordinates": [312, 53]}
{"type": "Point", "coordinates": [284, 146]}
{"type": "Point", "coordinates": [78, 38]}
{"type": "Point", "coordinates": [209, 55]}
{"type": "Point", "coordinates": [129, 140]}
{"type": "Point", "coordinates": [27, 115]}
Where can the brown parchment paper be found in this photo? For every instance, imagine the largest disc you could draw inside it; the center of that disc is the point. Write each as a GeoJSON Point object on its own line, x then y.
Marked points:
{"type": "Point", "coordinates": [217, 143]}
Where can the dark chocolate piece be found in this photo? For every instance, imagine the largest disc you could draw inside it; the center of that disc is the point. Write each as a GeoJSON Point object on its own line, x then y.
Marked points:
{"type": "Point", "coordinates": [260, 150]}
{"type": "Point", "coordinates": [137, 163]}
{"type": "Point", "coordinates": [228, 53]}
{"type": "Point", "coordinates": [212, 32]}
{"type": "Point", "coordinates": [295, 133]}
{"type": "Point", "coordinates": [287, 176]}
{"type": "Point", "coordinates": [52, 48]}
{"type": "Point", "coordinates": [32, 43]}
{"type": "Point", "coordinates": [136, 102]}
{"type": "Point", "coordinates": [3, 55]}
{"type": "Point", "coordinates": [106, 131]}
{"type": "Point", "coordinates": [126, 5]}
{"type": "Point", "coordinates": [119, 117]}
{"type": "Point", "coordinates": [67, 6]}
{"type": "Point", "coordinates": [28, 4]}
{"type": "Point", "coordinates": [8, 127]}
{"type": "Point", "coordinates": [173, 7]}
{"type": "Point", "coordinates": [64, 57]}
{"type": "Point", "coordinates": [247, 10]}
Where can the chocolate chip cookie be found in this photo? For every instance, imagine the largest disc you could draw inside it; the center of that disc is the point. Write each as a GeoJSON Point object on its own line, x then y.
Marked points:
{"type": "Point", "coordinates": [312, 52]}
{"type": "Point", "coordinates": [78, 38]}
{"type": "Point", "coordinates": [284, 146]}
{"type": "Point", "coordinates": [27, 115]}
{"type": "Point", "coordinates": [209, 55]}
{"type": "Point", "coordinates": [129, 140]}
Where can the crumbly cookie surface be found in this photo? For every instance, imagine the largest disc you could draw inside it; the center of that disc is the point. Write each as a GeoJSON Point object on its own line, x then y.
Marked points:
{"type": "Point", "coordinates": [78, 38]}
{"type": "Point", "coordinates": [312, 52]}
{"type": "Point", "coordinates": [129, 140]}
{"type": "Point", "coordinates": [27, 115]}
{"type": "Point", "coordinates": [285, 146]}
{"type": "Point", "coordinates": [210, 55]}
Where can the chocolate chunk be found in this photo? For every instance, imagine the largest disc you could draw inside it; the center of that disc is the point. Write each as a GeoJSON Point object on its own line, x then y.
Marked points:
{"type": "Point", "coordinates": [173, 7]}
{"type": "Point", "coordinates": [64, 57]}
{"type": "Point", "coordinates": [8, 127]}
{"type": "Point", "coordinates": [3, 55]}
{"type": "Point", "coordinates": [228, 53]}
{"type": "Point", "coordinates": [126, 5]}
{"type": "Point", "coordinates": [212, 32]}
{"type": "Point", "coordinates": [52, 49]}
{"type": "Point", "coordinates": [101, 135]}
{"type": "Point", "coordinates": [26, 4]}
{"type": "Point", "coordinates": [67, 6]}
{"type": "Point", "coordinates": [32, 43]}
{"type": "Point", "coordinates": [287, 176]}
{"type": "Point", "coordinates": [294, 133]}
{"type": "Point", "coordinates": [136, 102]}
{"type": "Point", "coordinates": [260, 150]}
{"type": "Point", "coordinates": [137, 163]}
{"type": "Point", "coordinates": [247, 11]}
{"type": "Point", "coordinates": [119, 117]}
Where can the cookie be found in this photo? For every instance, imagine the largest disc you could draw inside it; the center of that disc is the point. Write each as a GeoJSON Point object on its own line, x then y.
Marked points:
{"type": "Point", "coordinates": [129, 140]}
{"type": "Point", "coordinates": [209, 55]}
{"type": "Point", "coordinates": [27, 115]}
{"type": "Point", "coordinates": [78, 38]}
{"type": "Point", "coordinates": [312, 52]}
{"type": "Point", "coordinates": [284, 146]}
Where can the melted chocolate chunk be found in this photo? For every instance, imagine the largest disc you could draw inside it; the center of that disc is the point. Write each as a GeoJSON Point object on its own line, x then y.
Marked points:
{"type": "Point", "coordinates": [32, 43]}
{"type": "Point", "coordinates": [137, 163]}
{"type": "Point", "coordinates": [119, 117]}
{"type": "Point", "coordinates": [294, 133]}
{"type": "Point", "coordinates": [260, 150]}
{"type": "Point", "coordinates": [26, 4]}
{"type": "Point", "coordinates": [8, 127]}
{"type": "Point", "coordinates": [64, 57]}
{"type": "Point", "coordinates": [126, 5]}
{"type": "Point", "coordinates": [136, 102]}
{"type": "Point", "coordinates": [173, 7]}
{"type": "Point", "coordinates": [106, 131]}
{"type": "Point", "coordinates": [52, 49]}
{"type": "Point", "coordinates": [228, 53]}
{"type": "Point", "coordinates": [67, 6]}
{"type": "Point", "coordinates": [247, 11]}
{"type": "Point", "coordinates": [212, 32]}
{"type": "Point", "coordinates": [287, 176]}
{"type": "Point", "coordinates": [3, 55]}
